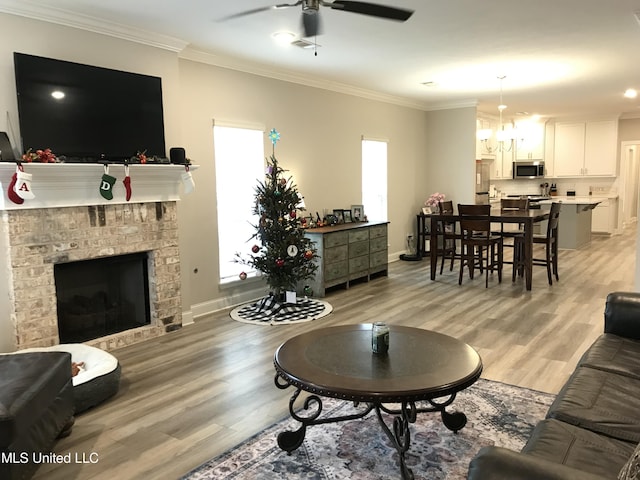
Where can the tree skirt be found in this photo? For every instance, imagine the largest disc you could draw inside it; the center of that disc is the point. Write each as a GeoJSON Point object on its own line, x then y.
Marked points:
{"type": "Point", "coordinates": [269, 312]}
{"type": "Point", "coordinates": [498, 414]}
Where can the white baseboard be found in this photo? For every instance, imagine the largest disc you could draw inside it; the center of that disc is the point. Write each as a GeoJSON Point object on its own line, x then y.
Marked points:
{"type": "Point", "coordinates": [211, 306]}
{"type": "Point", "coordinates": [206, 308]}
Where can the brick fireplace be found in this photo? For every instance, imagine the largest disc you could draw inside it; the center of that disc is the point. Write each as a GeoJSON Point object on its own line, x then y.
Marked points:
{"type": "Point", "coordinates": [34, 240]}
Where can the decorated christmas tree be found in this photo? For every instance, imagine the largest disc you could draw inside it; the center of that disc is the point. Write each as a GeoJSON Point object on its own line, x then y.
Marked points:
{"type": "Point", "coordinates": [281, 251]}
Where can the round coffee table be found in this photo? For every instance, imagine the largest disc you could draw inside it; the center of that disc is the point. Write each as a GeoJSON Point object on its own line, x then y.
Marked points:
{"type": "Point", "coordinates": [422, 372]}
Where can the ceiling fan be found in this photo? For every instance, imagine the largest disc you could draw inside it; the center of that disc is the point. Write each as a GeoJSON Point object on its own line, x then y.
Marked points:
{"type": "Point", "coordinates": [311, 12]}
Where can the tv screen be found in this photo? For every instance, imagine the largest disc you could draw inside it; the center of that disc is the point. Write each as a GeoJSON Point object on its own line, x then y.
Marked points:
{"type": "Point", "coordinates": [88, 113]}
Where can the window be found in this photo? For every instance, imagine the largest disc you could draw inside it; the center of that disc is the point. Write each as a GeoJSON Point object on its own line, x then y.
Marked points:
{"type": "Point", "coordinates": [239, 163]}
{"type": "Point", "coordinates": [374, 179]}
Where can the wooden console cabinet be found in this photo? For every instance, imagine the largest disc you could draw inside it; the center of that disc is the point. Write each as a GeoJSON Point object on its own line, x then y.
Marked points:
{"type": "Point", "coordinates": [348, 252]}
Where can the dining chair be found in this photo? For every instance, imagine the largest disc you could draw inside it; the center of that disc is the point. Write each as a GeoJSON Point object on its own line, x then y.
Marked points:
{"type": "Point", "coordinates": [450, 237]}
{"type": "Point", "coordinates": [478, 243]}
{"type": "Point", "coordinates": [550, 242]}
{"type": "Point", "coordinates": [513, 238]}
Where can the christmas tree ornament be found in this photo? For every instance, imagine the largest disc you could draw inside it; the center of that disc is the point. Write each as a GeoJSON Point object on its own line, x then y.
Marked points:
{"type": "Point", "coordinates": [308, 254]}
{"type": "Point", "coordinates": [292, 250]}
{"type": "Point", "coordinates": [293, 214]}
{"type": "Point", "coordinates": [283, 182]}
{"type": "Point", "coordinates": [106, 184]}
{"type": "Point", "coordinates": [308, 291]}
{"type": "Point", "coordinates": [255, 249]}
{"type": "Point", "coordinates": [11, 192]}
{"type": "Point", "coordinates": [23, 184]}
{"type": "Point", "coordinates": [243, 275]}
{"type": "Point", "coordinates": [127, 183]}
{"type": "Point", "coordinates": [279, 262]}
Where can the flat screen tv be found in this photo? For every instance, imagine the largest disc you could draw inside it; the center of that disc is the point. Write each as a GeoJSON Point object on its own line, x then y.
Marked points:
{"type": "Point", "coordinates": [88, 113]}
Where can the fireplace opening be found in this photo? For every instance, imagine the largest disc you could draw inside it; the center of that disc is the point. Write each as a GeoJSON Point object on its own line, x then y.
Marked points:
{"type": "Point", "coordinates": [102, 296]}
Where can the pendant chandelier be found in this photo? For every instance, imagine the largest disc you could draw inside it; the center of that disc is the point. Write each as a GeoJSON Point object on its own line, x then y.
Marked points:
{"type": "Point", "coordinates": [504, 136]}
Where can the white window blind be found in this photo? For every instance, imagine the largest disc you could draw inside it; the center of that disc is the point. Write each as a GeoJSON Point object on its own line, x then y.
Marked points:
{"type": "Point", "coordinates": [374, 179]}
{"type": "Point", "coordinates": [239, 164]}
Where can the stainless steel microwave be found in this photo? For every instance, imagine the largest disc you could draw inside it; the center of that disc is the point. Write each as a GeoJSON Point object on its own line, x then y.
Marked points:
{"type": "Point", "coordinates": [528, 169]}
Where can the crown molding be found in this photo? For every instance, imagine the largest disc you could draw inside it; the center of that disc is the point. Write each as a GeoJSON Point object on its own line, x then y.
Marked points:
{"type": "Point", "coordinates": [230, 63]}
{"type": "Point", "coordinates": [24, 8]}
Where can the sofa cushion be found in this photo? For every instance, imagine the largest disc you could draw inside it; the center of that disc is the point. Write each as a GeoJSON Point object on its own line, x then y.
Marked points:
{"type": "Point", "coordinates": [613, 353]}
{"type": "Point", "coordinates": [600, 401]}
{"type": "Point", "coordinates": [631, 469]}
{"type": "Point", "coordinates": [578, 448]}
{"type": "Point", "coordinates": [29, 384]}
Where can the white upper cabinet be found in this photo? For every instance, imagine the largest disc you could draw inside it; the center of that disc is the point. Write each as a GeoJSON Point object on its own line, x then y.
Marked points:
{"type": "Point", "coordinates": [530, 140]}
{"type": "Point", "coordinates": [585, 149]}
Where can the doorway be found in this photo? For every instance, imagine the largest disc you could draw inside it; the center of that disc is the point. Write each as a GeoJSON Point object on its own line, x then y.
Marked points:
{"type": "Point", "coordinates": [629, 184]}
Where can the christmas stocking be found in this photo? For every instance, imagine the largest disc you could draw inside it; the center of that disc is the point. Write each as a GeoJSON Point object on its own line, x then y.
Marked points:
{"type": "Point", "coordinates": [127, 183]}
{"type": "Point", "coordinates": [187, 181]}
{"type": "Point", "coordinates": [11, 193]}
{"type": "Point", "coordinates": [23, 185]}
{"type": "Point", "coordinates": [106, 184]}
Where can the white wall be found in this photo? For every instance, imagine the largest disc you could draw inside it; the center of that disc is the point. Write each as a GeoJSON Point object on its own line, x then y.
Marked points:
{"type": "Point", "coordinates": [320, 145]}
{"type": "Point", "coordinates": [451, 151]}
{"type": "Point", "coordinates": [321, 134]}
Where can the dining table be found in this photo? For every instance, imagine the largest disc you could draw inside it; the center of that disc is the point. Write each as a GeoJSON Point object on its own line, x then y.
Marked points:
{"type": "Point", "coordinates": [525, 218]}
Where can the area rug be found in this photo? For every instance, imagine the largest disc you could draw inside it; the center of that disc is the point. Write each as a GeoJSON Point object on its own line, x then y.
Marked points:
{"type": "Point", "coordinates": [497, 414]}
{"type": "Point", "coordinates": [268, 312]}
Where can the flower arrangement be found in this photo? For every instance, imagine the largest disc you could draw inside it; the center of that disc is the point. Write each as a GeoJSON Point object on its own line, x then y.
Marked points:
{"type": "Point", "coordinates": [43, 156]}
{"type": "Point", "coordinates": [434, 199]}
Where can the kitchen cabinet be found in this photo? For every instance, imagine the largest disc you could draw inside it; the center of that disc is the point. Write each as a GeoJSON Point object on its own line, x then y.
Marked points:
{"type": "Point", "coordinates": [502, 166]}
{"type": "Point", "coordinates": [530, 140]}
{"type": "Point", "coordinates": [585, 149]}
{"type": "Point", "coordinates": [348, 252]}
{"type": "Point", "coordinates": [604, 216]}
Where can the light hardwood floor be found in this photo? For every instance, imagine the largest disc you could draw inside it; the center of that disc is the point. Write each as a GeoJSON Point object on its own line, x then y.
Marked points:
{"type": "Point", "coordinates": [192, 394]}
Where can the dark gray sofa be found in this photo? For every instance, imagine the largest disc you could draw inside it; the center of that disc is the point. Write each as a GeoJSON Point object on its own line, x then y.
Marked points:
{"type": "Point", "coordinates": [592, 429]}
{"type": "Point", "coordinates": [36, 408]}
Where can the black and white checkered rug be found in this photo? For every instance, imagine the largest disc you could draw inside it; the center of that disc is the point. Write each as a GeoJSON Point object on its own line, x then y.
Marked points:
{"type": "Point", "coordinates": [267, 311]}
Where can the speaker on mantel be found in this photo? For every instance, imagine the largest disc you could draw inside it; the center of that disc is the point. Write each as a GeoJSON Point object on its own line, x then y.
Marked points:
{"type": "Point", "coordinates": [177, 155]}
{"type": "Point", "coordinates": [6, 152]}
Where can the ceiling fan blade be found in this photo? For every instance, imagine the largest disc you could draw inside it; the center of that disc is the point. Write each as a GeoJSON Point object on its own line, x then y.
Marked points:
{"type": "Point", "coordinates": [375, 10]}
{"type": "Point", "coordinates": [261, 9]}
{"type": "Point", "coordinates": [311, 24]}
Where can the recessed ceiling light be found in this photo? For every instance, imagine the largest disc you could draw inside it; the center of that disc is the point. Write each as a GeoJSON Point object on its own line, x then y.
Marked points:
{"type": "Point", "coordinates": [429, 84]}
{"type": "Point", "coordinates": [57, 94]}
{"type": "Point", "coordinates": [631, 93]}
{"type": "Point", "coordinates": [283, 38]}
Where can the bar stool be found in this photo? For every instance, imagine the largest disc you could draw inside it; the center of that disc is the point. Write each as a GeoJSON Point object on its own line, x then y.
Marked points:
{"type": "Point", "coordinates": [550, 241]}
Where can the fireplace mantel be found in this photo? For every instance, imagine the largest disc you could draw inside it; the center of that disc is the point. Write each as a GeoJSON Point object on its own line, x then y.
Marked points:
{"type": "Point", "coordinates": [77, 184]}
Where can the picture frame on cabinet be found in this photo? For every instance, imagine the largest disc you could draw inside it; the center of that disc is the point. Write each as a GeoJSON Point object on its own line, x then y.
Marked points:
{"type": "Point", "coordinates": [357, 213]}
{"type": "Point", "coordinates": [426, 210]}
{"type": "Point", "coordinates": [339, 214]}
{"type": "Point", "coordinates": [346, 214]}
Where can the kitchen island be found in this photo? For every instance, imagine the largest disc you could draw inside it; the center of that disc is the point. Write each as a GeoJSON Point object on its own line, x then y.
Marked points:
{"type": "Point", "coordinates": [574, 229]}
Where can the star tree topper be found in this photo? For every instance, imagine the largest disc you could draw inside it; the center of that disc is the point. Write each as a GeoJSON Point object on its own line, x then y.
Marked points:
{"type": "Point", "coordinates": [274, 136]}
